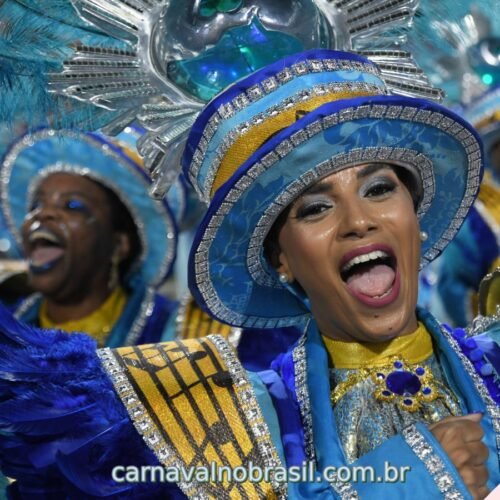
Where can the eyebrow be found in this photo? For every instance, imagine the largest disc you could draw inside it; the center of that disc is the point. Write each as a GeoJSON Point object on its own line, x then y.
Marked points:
{"type": "Point", "coordinates": [371, 169]}
{"type": "Point", "coordinates": [325, 186]}
{"type": "Point", "coordinates": [318, 188]}
{"type": "Point", "coordinates": [81, 194]}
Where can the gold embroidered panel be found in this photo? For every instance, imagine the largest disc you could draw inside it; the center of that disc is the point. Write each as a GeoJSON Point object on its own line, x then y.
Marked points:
{"type": "Point", "coordinates": [194, 406]}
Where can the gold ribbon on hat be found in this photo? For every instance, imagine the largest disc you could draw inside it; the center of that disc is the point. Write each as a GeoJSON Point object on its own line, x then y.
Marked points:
{"type": "Point", "coordinates": [246, 144]}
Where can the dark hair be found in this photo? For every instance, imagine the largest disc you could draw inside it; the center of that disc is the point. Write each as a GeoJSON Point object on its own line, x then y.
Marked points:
{"type": "Point", "coordinates": [271, 243]}
{"type": "Point", "coordinates": [122, 222]}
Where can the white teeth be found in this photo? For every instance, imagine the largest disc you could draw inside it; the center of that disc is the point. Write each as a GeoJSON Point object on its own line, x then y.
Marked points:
{"type": "Point", "coordinates": [43, 235]}
{"type": "Point", "coordinates": [378, 254]}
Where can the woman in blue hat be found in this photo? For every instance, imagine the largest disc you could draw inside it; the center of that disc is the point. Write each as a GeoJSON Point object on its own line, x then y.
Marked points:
{"type": "Point", "coordinates": [326, 196]}
{"type": "Point", "coordinates": [97, 245]}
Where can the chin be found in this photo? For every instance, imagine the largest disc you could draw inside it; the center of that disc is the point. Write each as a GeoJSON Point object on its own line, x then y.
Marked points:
{"type": "Point", "coordinates": [47, 284]}
{"type": "Point", "coordinates": [381, 327]}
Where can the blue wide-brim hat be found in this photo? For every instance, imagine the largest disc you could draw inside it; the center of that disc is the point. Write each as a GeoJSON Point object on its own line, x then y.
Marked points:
{"type": "Point", "coordinates": [268, 137]}
{"type": "Point", "coordinates": [484, 114]}
{"type": "Point", "coordinates": [35, 156]}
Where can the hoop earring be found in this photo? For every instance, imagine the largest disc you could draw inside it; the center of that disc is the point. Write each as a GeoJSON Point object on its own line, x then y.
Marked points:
{"type": "Point", "coordinates": [114, 276]}
{"type": "Point", "coordinates": [423, 236]}
{"type": "Point", "coordinates": [283, 278]}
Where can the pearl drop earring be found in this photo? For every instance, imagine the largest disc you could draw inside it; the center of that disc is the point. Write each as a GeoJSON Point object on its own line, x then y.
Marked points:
{"type": "Point", "coordinates": [283, 278]}
{"type": "Point", "coordinates": [423, 236]}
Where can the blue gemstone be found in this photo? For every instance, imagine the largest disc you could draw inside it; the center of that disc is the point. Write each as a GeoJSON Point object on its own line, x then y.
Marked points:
{"type": "Point", "coordinates": [386, 393]}
{"type": "Point", "coordinates": [398, 364]}
{"type": "Point", "coordinates": [403, 383]}
{"type": "Point", "coordinates": [407, 402]}
{"type": "Point", "coordinates": [419, 371]}
{"type": "Point", "coordinates": [426, 390]}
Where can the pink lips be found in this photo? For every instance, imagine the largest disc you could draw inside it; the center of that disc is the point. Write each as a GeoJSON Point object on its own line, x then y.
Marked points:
{"type": "Point", "coordinates": [367, 300]}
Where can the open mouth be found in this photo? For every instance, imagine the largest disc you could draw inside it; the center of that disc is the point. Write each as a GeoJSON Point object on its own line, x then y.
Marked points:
{"type": "Point", "coordinates": [45, 250]}
{"type": "Point", "coordinates": [371, 274]}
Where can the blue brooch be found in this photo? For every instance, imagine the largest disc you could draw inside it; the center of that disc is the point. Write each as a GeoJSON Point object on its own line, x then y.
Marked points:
{"type": "Point", "coordinates": [407, 385]}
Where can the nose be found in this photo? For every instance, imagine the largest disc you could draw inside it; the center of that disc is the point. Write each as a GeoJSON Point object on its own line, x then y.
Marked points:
{"type": "Point", "coordinates": [45, 211]}
{"type": "Point", "coordinates": [356, 220]}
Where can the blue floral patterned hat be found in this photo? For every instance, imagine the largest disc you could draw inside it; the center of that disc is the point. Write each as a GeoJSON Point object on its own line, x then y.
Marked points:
{"type": "Point", "coordinates": [35, 156]}
{"type": "Point", "coordinates": [257, 145]}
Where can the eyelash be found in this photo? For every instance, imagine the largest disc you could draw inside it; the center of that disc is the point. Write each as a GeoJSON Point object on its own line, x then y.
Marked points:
{"type": "Point", "coordinates": [75, 205]}
{"type": "Point", "coordinates": [312, 209]}
{"type": "Point", "coordinates": [377, 189]}
{"type": "Point", "coordinates": [386, 186]}
{"type": "Point", "coordinates": [72, 205]}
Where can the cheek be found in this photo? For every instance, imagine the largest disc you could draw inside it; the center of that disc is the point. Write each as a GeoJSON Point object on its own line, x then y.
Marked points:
{"type": "Point", "coordinates": [406, 231]}
{"type": "Point", "coordinates": [306, 248]}
{"type": "Point", "coordinates": [85, 233]}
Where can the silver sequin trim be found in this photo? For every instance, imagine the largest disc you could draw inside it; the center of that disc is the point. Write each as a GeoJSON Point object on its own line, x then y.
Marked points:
{"type": "Point", "coordinates": [302, 392]}
{"type": "Point", "coordinates": [432, 462]}
{"type": "Point", "coordinates": [144, 425]}
{"type": "Point", "coordinates": [233, 135]}
{"type": "Point", "coordinates": [146, 309]}
{"type": "Point", "coordinates": [27, 304]}
{"type": "Point", "coordinates": [233, 338]}
{"type": "Point", "coordinates": [482, 323]}
{"type": "Point", "coordinates": [181, 314]}
{"type": "Point", "coordinates": [345, 490]}
{"type": "Point", "coordinates": [250, 407]}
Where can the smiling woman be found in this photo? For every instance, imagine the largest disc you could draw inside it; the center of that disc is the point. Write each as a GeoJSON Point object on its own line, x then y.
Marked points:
{"type": "Point", "coordinates": [326, 195]}
{"type": "Point", "coordinates": [97, 246]}
{"type": "Point", "coordinates": [352, 243]}
{"type": "Point", "coordinates": [69, 236]}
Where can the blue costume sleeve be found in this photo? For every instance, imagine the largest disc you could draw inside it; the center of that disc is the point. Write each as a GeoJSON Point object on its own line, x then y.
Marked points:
{"type": "Point", "coordinates": [63, 429]}
{"type": "Point", "coordinates": [430, 473]}
{"type": "Point", "coordinates": [409, 465]}
{"type": "Point", "coordinates": [163, 313]}
{"type": "Point", "coordinates": [464, 264]}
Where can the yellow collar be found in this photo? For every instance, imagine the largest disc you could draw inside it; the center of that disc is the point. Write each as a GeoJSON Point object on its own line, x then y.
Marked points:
{"type": "Point", "coordinates": [97, 324]}
{"type": "Point", "coordinates": [414, 348]}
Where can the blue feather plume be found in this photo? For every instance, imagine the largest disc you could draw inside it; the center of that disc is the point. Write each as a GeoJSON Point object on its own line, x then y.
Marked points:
{"type": "Point", "coordinates": [33, 45]}
{"type": "Point", "coordinates": [62, 426]}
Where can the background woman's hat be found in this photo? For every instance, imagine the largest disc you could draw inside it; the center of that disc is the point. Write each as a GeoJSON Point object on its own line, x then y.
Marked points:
{"type": "Point", "coordinates": [484, 114]}
{"type": "Point", "coordinates": [35, 156]}
{"type": "Point", "coordinates": [259, 144]}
